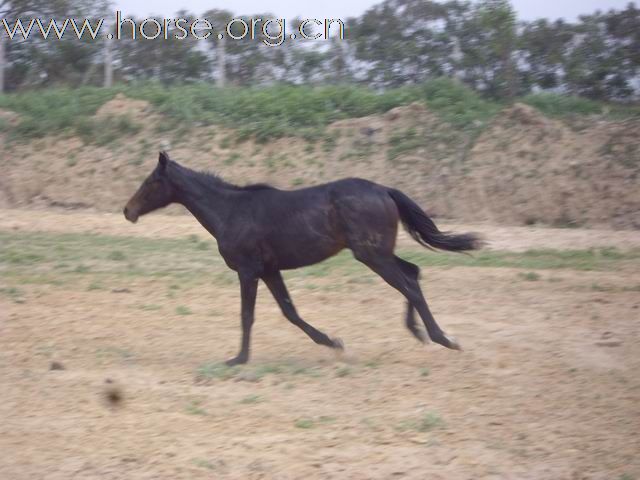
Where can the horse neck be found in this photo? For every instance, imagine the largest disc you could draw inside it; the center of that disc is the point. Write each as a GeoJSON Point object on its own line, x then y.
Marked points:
{"type": "Point", "coordinates": [207, 198]}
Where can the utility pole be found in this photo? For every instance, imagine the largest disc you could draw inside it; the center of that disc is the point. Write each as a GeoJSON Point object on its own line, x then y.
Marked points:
{"type": "Point", "coordinates": [222, 62]}
{"type": "Point", "coordinates": [108, 61]}
{"type": "Point", "coordinates": [3, 60]}
{"type": "Point", "coordinates": [4, 12]}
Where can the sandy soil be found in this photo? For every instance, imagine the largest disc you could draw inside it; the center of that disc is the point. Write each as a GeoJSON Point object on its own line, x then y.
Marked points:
{"type": "Point", "coordinates": [536, 394]}
{"type": "Point", "coordinates": [164, 226]}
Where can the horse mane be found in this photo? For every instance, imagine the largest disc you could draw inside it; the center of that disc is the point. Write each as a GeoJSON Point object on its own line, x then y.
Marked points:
{"type": "Point", "coordinates": [256, 186]}
{"type": "Point", "coordinates": [210, 177]}
{"type": "Point", "coordinates": [249, 187]}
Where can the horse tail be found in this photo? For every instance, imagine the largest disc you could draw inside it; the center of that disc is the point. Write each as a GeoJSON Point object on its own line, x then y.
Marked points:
{"type": "Point", "coordinates": [425, 232]}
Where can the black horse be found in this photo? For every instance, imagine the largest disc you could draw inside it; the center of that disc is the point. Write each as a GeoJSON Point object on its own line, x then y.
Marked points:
{"type": "Point", "coordinates": [262, 230]}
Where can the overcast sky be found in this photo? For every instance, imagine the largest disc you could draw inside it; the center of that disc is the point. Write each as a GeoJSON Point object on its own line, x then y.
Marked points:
{"type": "Point", "coordinates": [527, 9]}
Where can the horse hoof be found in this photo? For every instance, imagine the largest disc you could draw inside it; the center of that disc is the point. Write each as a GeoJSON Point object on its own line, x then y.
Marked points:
{"type": "Point", "coordinates": [422, 337]}
{"type": "Point", "coordinates": [453, 343]}
{"type": "Point", "coordinates": [235, 361]}
{"type": "Point", "coordinates": [338, 344]}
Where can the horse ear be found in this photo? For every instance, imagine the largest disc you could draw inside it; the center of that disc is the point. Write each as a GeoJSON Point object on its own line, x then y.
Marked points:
{"type": "Point", "coordinates": [163, 160]}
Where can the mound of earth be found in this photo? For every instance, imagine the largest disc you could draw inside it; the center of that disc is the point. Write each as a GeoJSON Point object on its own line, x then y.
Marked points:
{"type": "Point", "coordinates": [527, 168]}
{"type": "Point", "coordinates": [123, 105]}
{"type": "Point", "coordinates": [523, 168]}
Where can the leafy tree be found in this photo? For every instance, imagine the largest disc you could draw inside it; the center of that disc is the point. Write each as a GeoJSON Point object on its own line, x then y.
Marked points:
{"type": "Point", "coordinates": [51, 61]}
{"type": "Point", "coordinates": [487, 41]}
{"type": "Point", "coordinates": [166, 60]}
{"type": "Point", "coordinates": [623, 32]}
{"type": "Point", "coordinates": [394, 43]}
{"type": "Point", "coordinates": [402, 41]}
{"type": "Point", "coordinates": [542, 48]}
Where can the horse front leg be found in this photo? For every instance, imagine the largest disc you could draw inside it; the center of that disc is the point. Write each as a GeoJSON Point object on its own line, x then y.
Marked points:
{"type": "Point", "coordinates": [279, 291]}
{"type": "Point", "coordinates": [248, 292]}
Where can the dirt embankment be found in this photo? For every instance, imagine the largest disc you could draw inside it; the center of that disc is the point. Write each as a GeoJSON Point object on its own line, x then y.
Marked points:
{"type": "Point", "coordinates": [523, 168]}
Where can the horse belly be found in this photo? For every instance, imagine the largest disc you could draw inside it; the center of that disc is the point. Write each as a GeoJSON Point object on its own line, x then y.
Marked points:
{"type": "Point", "coordinates": [305, 244]}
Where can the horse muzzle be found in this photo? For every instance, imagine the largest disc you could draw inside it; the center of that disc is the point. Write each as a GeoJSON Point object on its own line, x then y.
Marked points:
{"type": "Point", "coordinates": [130, 215]}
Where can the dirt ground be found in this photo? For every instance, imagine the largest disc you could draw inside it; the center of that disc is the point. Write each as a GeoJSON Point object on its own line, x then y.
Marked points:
{"type": "Point", "coordinates": [547, 386]}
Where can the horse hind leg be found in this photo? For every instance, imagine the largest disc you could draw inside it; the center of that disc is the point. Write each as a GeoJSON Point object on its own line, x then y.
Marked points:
{"type": "Point", "coordinates": [388, 268]}
{"type": "Point", "coordinates": [412, 271]}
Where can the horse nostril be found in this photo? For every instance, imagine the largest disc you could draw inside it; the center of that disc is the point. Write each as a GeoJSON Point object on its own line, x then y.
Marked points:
{"type": "Point", "coordinates": [126, 212]}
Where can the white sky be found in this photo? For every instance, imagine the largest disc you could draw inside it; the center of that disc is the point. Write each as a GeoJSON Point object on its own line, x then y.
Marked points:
{"type": "Point", "coordinates": [527, 9]}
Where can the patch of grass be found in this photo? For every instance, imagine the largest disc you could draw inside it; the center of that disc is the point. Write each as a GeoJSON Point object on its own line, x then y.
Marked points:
{"type": "Point", "coordinates": [53, 111]}
{"type": "Point", "coordinates": [612, 253]}
{"type": "Point", "coordinates": [183, 263]}
{"type": "Point", "coordinates": [250, 399]}
{"type": "Point", "coordinates": [219, 371]}
{"type": "Point", "coordinates": [117, 256]}
{"type": "Point", "coordinates": [556, 105]}
{"type": "Point", "coordinates": [204, 246]}
{"type": "Point", "coordinates": [269, 368]}
{"type": "Point", "coordinates": [264, 112]}
{"type": "Point", "coordinates": [231, 159]}
{"type": "Point", "coordinates": [305, 423]}
{"type": "Point", "coordinates": [201, 463]}
{"type": "Point", "coordinates": [114, 352]}
{"type": "Point", "coordinates": [402, 142]}
{"type": "Point", "coordinates": [308, 371]}
{"type": "Point", "coordinates": [226, 142]}
{"type": "Point", "coordinates": [326, 419]}
{"type": "Point", "coordinates": [343, 372]}
{"type": "Point", "coordinates": [429, 421]}
{"type": "Point", "coordinates": [296, 182]}
{"type": "Point", "coordinates": [194, 408]}
{"type": "Point", "coordinates": [373, 364]}
{"type": "Point", "coordinates": [20, 258]}
{"type": "Point", "coordinates": [95, 286]}
{"type": "Point", "coordinates": [150, 307]}
{"type": "Point", "coordinates": [457, 104]}
{"type": "Point", "coordinates": [183, 310]}
{"type": "Point", "coordinates": [253, 373]}
{"type": "Point", "coordinates": [330, 142]}
{"type": "Point", "coordinates": [10, 291]}
{"type": "Point", "coordinates": [535, 259]}
{"type": "Point", "coordinates": [275, 162]}
{"type": "Point", "coordinates": [361, 150]}
{"type": "Point", "coordinates": [13, 293]}
{"type": "Point", "coordinates": [424, 372]}
{"type": "Point", "coordinates": [72, 161]}
{"type": "Point", "coordinates": [529, 276]}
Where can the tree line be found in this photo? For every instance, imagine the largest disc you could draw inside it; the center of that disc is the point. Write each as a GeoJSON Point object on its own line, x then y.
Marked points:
{"type": "Point", "coordinates": [395, 43]}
